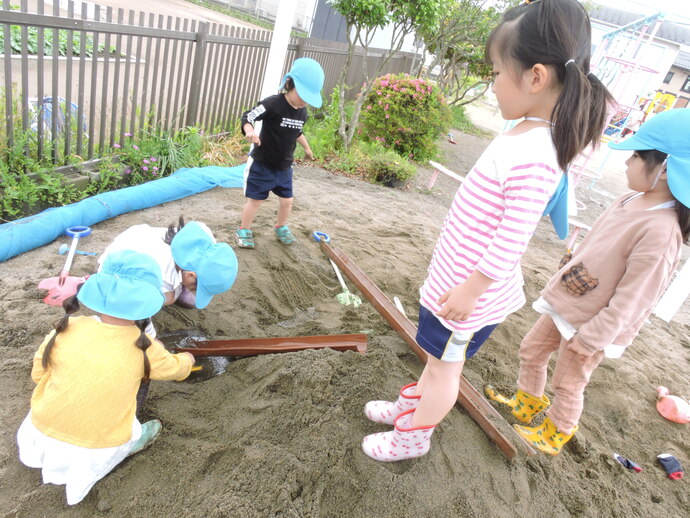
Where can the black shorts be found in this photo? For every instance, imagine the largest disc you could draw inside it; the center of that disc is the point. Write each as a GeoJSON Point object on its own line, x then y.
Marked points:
{"type": "Point", "coordinates": [442, 343]}
{"type": "Point", "coordinates": [261, 180]}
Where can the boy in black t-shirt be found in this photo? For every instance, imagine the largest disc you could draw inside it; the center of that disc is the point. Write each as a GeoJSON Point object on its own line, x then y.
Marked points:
{"type": "Point", "coordinates": [270, 165]}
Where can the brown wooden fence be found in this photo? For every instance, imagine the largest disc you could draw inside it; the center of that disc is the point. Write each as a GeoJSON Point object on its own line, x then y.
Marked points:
{"type": "Point", "coordinates": [117, 73]}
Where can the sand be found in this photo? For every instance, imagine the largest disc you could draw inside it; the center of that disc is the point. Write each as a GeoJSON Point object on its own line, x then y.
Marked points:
{"type": "Point", "coordinates": [279, 435]}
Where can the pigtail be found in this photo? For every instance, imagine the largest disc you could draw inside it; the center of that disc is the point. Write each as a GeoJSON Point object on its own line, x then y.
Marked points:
{"type": "Point", "coordinates": [173, 230]}
{"type": "Point", "coordinates": [70, 305]}
{"type": "Point", "coordinates": [600, 99]}
{"type": "Point", "coordinates": [571, 115]}
{"type": "Point", "coordinates": [143, 342]}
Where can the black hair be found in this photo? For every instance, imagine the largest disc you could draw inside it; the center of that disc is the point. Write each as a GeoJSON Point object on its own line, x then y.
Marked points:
{"type": "Point", "coordinates": [143, 343]}
{"type": "Point", "coordinates": [173, 230]}
{"type": "Point", "coordinates": [70, 305]}
{"type": "Point", "coordinates": [557, 33]}
{"type": "Point", "coordinates": [653, 158]}
{"type": "Point", "coordinates": [289, 85]}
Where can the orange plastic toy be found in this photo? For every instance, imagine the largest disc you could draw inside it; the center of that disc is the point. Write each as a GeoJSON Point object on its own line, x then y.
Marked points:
{"type": "Point", "coordinates": [673, 408]}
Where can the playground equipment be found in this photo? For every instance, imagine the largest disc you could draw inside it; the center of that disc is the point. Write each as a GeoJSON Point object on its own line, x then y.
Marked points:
{"type": "Point", "coordinates": [622, 62]}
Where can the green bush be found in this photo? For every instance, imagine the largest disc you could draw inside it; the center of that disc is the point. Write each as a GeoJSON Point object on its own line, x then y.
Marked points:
{"type": "Point", "coordinates": [321, 129]}
{"type": "Point", "coordinates": [389, 168]}
{"type": "Point", "coordinates": [405, 114]}
{"type": "Point", "coordinates": [29, 185]}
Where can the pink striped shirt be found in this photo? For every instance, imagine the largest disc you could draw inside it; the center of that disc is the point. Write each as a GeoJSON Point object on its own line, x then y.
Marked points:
{"type": "Point", "coordinates": [490, 223]}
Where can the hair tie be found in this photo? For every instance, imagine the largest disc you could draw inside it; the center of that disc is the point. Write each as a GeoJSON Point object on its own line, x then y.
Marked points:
{"type": "Point", "coordinates": [571, 60]}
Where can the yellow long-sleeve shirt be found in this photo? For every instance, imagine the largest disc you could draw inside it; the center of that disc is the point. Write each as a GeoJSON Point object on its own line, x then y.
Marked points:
{"type": "Point", "coordinates": [87, 394]}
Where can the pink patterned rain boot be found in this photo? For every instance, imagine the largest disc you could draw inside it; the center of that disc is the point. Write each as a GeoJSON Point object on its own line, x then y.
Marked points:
{"type": "Point", "coordinates": [403, 442]}
{"type": "Point", "coordinates": [386, 411]}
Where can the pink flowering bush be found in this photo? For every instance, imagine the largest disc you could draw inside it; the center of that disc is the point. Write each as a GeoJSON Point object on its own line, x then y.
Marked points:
{"type": "Point", "coordinates": [405, 114]}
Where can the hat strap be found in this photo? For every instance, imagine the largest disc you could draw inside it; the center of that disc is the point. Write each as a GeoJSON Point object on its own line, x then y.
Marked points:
{"type": "Point", "coordinates": [658, 174]}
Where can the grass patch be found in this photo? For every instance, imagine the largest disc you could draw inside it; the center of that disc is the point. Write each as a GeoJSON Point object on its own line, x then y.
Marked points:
{"type": "Point", "coordinates": [462, 122]}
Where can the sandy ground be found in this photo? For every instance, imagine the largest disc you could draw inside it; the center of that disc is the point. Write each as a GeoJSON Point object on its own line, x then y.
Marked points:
{"type": "Point", "coordinates": [279, 435]}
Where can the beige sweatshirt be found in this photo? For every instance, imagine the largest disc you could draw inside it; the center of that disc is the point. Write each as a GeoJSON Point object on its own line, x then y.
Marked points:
{"type": "Point", "coordinates": [633, 254]}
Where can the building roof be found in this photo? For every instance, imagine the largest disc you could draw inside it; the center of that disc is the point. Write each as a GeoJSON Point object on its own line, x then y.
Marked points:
{"type": "Point", "coordinates": [682, 60]}
{"type": "Point", "coordinates": [668, 31]}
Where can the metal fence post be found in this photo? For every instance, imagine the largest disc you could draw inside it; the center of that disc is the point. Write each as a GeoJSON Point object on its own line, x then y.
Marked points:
{"type": "Point", "coordinates": [197, 74]}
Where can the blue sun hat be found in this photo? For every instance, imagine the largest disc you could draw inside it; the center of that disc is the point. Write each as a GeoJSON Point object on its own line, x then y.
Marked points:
{"type": "Point", "coordinates": [194, 249]}
{"type": "Point", "coordinates": [668, 132]}
{"type": "Point", "coordinates": [308, 77]}
{"type": "Point", "coordinates": [128, 286]}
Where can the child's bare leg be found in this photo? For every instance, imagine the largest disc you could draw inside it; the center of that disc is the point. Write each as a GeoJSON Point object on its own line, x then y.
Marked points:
{"type": "Point", "coordinates": [249, 211]}
{"type": "Point", "coordinates": [284, 209]}
{"type": "Point", "coordinates": [441, 383]}
{"type": "Point", "coordinates": [423, 379]}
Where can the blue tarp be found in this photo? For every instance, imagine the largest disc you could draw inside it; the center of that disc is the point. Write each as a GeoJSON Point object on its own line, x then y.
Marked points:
{"type": "Point", "coordinates": [25, 234]}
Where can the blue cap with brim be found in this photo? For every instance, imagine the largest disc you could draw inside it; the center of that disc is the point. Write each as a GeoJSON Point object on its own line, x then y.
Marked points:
{"type": "Point", "coordinates": [668, 132]}
{"type": "Point", "coordinates": [215, 264]}
{"type": "Point", "coordinates": [128, 286]}
{"type": "Point", "coordinates": [557, 208]}
{"type": "Point", "coordinates": [308, 77]}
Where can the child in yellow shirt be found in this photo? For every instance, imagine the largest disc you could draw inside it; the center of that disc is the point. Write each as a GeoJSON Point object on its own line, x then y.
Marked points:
{"type": "Point", "coordinates": [87, 371]}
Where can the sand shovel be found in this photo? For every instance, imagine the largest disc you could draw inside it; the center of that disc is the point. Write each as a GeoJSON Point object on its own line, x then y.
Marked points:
{"type": "Point", "coordinates": [345, 298]}
{"type": "Point", "coordinates": [64, 286]}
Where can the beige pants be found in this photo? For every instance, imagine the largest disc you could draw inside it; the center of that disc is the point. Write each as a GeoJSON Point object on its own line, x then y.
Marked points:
{"type": "Point", "coordinates": [570, 376]}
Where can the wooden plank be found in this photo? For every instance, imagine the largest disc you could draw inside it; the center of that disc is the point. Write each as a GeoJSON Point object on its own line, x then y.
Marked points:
{"type": "Point", "coordinates": [479, 409]}
{"type": "Point", "coordinates": [438, 168]}
{"type": "Point", "coordinates": [270, 345]}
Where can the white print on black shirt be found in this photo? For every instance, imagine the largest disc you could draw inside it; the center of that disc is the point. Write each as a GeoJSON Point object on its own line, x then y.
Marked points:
{"type": "Point", "coordinates": [291, 123]}
{"type": "Point", "coordinates": [252, 115]}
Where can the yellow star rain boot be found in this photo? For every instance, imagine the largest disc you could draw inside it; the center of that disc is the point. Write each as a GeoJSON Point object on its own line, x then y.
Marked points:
{"type": "Point", "coordinates": [523, 406]}
{"type": "Point", "coordinates": [545, 437]}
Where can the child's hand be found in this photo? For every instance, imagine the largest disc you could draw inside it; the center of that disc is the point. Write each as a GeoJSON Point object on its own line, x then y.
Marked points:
{"type": "Point", "coordinates": [253, 138]}
{"type": "Point", "coordinates": [575, 346]}
{"type": "Point", "coordinates": [457, 303]}
{"type": "Point", "coordinates": [309, 155]}
{"type": "Point", "coordinates": [190, 355]}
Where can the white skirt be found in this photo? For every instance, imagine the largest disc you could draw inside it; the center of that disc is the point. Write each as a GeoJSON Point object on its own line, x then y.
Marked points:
{"type": "Point", "coordinates": [76, 467]}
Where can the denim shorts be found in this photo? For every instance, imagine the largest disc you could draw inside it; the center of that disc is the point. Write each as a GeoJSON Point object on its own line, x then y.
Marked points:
{"type": "Point", "coordinates": [445, 345]}
{"type": "Point", "coordinates": [261, 180]}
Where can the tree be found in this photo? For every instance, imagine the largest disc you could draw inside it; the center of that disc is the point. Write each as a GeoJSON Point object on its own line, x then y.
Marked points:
{"type": "Point", "coordinates": [457, 44]}
{"type": "Point", "coordinates": [363, 18]}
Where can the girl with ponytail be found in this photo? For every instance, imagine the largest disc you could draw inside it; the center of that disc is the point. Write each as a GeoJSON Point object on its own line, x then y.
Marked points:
{"type": "Point", "coordinates": [540, 55]}
{"type": "Point", "coordinates": [82, 421]}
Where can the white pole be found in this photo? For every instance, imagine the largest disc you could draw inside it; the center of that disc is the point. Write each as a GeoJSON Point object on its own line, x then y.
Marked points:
{"type": "Point", "coordinates": [276, 53]}
{"type": "Point", "coordinates": [279, 44]}
{"type": "Point", "coordinates": [675, 295]}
